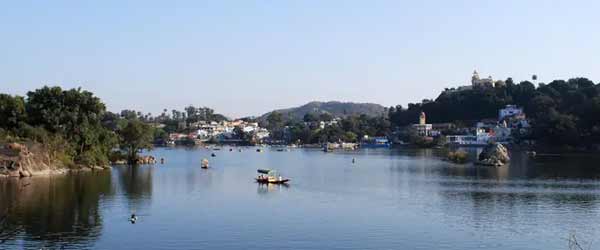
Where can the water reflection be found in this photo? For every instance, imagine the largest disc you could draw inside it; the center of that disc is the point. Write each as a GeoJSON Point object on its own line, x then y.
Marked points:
{"type": "Point", "coordinates": [60, 211]}
{"type": "Point", "coordinates": [388, 199]}
{"type": "Point", "coordinates": [263, 188]}
{"type": "Point", "coordinates": [136, 185]}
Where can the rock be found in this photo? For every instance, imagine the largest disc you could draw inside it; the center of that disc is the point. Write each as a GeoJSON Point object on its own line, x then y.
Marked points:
{"type": "Point", "coordinates": [14, 173]}
{"type": "Point", "coordinates": [96, 168]}
{"type": "Point", "coordinates": [494, 154]}
{"type": "Point", "coordinates": [24, 173]}
{"type": "Point", "coordinates": [146, 160]}
{"type": "Point", "coordinates": [17, 147]}
{"type": "Point", "coordinates": [120, 162]}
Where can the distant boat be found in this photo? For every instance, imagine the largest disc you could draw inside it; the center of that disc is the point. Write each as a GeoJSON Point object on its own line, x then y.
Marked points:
{"type": "Point", "coordinates": [259, 150]}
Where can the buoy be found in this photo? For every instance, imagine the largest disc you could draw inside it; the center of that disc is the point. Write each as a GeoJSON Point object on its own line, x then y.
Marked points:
{"type": "Point", "coordinates": [213, 155]}
{"type": "Point", "coordinates": [204, 163]}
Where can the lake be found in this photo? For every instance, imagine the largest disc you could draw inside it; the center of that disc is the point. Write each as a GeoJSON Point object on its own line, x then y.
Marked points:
{"type": "Point", "coordinates": [387, 199]}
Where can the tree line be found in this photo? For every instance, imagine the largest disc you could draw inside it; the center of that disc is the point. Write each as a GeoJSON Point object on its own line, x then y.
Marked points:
{"type": "Point", "coordinates": [76, 128]}
{"type": "Point", "coordinates": [323, 127]}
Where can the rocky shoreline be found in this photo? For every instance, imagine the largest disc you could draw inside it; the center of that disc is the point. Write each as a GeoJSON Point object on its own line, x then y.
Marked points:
{"type": "Point", "coordinates": [494, 154]}
{"type": "Point", "coordinates": [20, 160]}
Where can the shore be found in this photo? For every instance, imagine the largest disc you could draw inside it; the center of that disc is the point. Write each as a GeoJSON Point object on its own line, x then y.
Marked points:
{"type": "Point", "coordinates": [27, 160]}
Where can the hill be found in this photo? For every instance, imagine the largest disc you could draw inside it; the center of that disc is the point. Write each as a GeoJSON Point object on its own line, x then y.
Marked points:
{"type": "Point", "coordinates": [335, 108]}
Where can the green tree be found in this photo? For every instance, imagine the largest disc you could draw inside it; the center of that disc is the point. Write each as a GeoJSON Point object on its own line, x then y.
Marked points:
{"type": "Point", "coordinates": [310, 117]}
{"type": "Point", "coordinates": [75, 115]}
{"type": "Point", "coordinates": [134, 137]}
{"type": "Point", "coordinates": [12, 111]}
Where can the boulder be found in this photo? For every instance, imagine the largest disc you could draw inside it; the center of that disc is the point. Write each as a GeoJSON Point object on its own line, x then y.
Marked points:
{"type": "Point", "coordinates": [494, 154]}
{"type": "Point", "coordinates": [142, 160]}
{"type": "Point", "coordinates": [119, 162]}
{"type": "Point", "coordinates": [14, 173]}
{"type": "Point", "coordinates": [96, 168]}
{"type": "Point", "coordinates": [24, 173]}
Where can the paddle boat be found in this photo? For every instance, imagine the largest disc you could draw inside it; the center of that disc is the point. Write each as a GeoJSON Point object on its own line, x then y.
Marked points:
{"type": "Point", "coordinates": [269, 176]}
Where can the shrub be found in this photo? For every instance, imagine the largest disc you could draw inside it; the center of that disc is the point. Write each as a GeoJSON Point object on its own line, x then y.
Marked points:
{"type": "Point", "coordinates": [458, 156]}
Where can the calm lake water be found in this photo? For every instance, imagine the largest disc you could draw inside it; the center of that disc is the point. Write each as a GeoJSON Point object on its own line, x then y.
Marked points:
{"type": "Point", "coordinates": [388, 199]}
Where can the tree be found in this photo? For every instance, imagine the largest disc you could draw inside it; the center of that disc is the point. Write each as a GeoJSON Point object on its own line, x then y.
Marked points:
{"type": "Point", "coordinates": [12, 111]}
{"type": "Point", "coordinates": [349, 137]}
{"type": "Point", "coordinates": [246, 137]}
{"type": "Point", "coordinates": [275, 120]}
{"type": "Point", "coordinates": [75, 115]}
{"type": "Point", "coordinates": [310, 117]}
{"type": "Point", "coordinates": [325, 117]}
{"type": "Point", "coordinates": [134, 137]}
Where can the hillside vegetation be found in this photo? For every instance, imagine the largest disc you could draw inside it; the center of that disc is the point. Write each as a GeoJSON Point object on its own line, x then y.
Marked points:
{"type": "Point", "coordinates": [334, 108]}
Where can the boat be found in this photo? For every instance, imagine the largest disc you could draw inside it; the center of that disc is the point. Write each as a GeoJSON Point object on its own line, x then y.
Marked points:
{"type": "Point", "coordinates": [269, 176]}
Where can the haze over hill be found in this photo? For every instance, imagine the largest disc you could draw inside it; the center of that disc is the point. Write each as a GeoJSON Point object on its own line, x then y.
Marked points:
{"type": "Point", "coordinates": [335, 108]}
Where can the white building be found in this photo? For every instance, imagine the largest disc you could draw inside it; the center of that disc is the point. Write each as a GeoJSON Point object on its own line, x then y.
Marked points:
{"type": "Point", "coordinates": [476, 81]}
{"type": "Point", "coordinates": [509, 110]}
{"type": "Point", "coordinates": [481, 138]}
{"type": "Point", "coordinates": [422, 128]}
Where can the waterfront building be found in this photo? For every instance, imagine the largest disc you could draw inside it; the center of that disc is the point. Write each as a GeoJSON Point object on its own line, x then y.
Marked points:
{"type": "Point", "coordinates": [481, 138]}
{"type": "Point", "coordinates": [375, 142]}
{"type": "Point", "coordinates": [422, 128]}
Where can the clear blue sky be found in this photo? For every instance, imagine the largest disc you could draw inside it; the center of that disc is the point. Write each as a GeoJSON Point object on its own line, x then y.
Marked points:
{"type": "Point", "coordinates": [249, 57]}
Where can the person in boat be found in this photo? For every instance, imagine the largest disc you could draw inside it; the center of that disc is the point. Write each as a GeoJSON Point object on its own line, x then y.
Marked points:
{"type": "Point", "coordinates": [133, 218]}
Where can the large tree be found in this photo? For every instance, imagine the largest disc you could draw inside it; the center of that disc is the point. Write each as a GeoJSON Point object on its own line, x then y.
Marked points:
{"type": "Point", "coordinates": [134, 137]}
{"type": "Point", "coordinates": [12, 111]}
{"type": "Point", "coordinates": [75, 115]}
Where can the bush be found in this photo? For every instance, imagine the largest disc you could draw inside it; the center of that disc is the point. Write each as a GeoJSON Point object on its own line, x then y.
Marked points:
{"type": "Point", "coordinates": [117, 156]}
{"type": "Point", "coordinates": [458, 156]}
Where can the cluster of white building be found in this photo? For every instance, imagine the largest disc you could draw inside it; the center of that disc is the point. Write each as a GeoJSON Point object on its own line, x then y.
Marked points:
{"type": "Point", "coordinates": [511, 119]}
{"type": "Point", "coordinates": [220, 131]}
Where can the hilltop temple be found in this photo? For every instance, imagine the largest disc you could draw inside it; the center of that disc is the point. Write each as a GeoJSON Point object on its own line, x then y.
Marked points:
{"type": "Point", "coordinates": [478, 82]}
{"type": "Point", "coordinates": [481, 82]}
